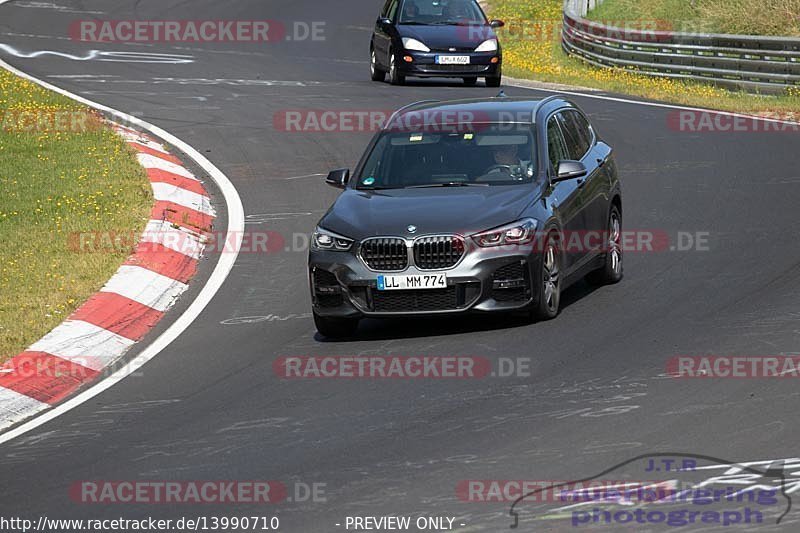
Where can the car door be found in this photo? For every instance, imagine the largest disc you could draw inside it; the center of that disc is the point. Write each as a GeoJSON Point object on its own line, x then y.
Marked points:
{"type": "Point", "coordinates": [382, 36]}
{"type": "Point", "coordinates": [564, 193]}
{"type": "Point", "coordinates": [580, 141]}
{"type": "Point", "coordinates": [597, 185]}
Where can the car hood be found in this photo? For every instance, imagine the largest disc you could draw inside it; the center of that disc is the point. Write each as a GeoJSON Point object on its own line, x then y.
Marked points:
{"type": "Point", "coordinates": [444, 210]}
{"type": "Point", "coordinates": [444, 37]}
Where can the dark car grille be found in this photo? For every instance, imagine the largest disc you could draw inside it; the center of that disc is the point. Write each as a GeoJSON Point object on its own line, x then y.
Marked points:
{"type": "Point", "coordinates": [456, 68]}
{"type": "Point", "coordinates": [455, 297]}
{"type": "Point", "coordinates": [327, 291]}
{"type": "Point", "coordinates": [415, 300]}
{"type": "Point", "coordinates": [431, 253]}
{"type": "Point", "coordinates": [385, 253]}
{"type": "Point", "coordinates": [510, 283]}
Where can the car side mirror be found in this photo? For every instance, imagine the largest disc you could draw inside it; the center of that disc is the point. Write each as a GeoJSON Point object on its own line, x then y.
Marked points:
{"type": "Point", "coordinates": [338, 178]}
{"type": "Point", "coordinates": [496, 23]}
{"type": "Point", "coordinates": [569, 169]}
{"type": "Point", "coordinates": [384, 21]}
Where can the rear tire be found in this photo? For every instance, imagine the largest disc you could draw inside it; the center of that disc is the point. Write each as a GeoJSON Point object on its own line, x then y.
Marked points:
{"type": "Point", "coordinates": [611, 272]}
{"type": "Point", "coordinates": [548, 300]}
{"type": "Point", "coordinates": [395, 78]}
{"type": "Point", "coordinates": [335, 328]}
{"type": "Point", "coordinates": [494, 81]}
{"type": "Point", "coordinates": [470, 81]}
{"type": "Point", "coordinates": [375, 72]}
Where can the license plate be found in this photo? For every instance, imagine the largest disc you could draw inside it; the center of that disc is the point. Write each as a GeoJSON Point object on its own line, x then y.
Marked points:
{"type": "Point", "coordinates": [452, 60]}
{"type": "Point", "coordinates": [414, 281]}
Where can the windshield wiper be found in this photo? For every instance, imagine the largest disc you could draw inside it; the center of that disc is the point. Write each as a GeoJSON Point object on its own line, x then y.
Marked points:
{"type": "Point", "coordinates": [414, 23]}
{"type": "Point", "coordinates": [448, 184]}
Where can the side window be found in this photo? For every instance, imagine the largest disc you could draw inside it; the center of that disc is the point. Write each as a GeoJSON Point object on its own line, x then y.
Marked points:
{"type": "Point", "coordinates": [583, 127]}
{"type": "Point", "coordinates": [385, 10]}
{"type": "Point", "coordinates": [577, 138]}
{"type": "Point", "coordinates": [392, 11]}
{"type": "Point", "coordinates": [555, 143]}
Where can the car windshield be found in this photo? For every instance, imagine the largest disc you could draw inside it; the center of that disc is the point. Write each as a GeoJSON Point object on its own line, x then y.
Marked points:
{"type": "Point", "coordinates": [441, 12]}
{"type": "Point", "coordinates": [477, 155]}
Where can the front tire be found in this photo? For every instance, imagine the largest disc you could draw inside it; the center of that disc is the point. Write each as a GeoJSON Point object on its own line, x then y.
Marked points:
{"type": "Point", "coordinates": [335, 328]}
{"type": "Point", "coordinates": [611, 272]}
{"type": "Point", "coordinates": [375, 72]}
{"type": "Point", "coordinates": [494, 81]}
{"type": "Point", "coordinates": [395, 77]}
{"type": "Point", "coordinates": [549, 279]}
{"type": "Point", "coordinates": [470, 81]}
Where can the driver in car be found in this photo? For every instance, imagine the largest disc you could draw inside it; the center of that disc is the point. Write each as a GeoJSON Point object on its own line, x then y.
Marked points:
{"type": "Point", "coordinates": [507, 161]}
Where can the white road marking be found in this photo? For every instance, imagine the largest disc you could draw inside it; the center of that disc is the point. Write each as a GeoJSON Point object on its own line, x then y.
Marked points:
{"type": "Point", "coordinates": [83, 344]}
{"type": "Point", "coordinates": [132, 137]}
{"type": "Point", "coordinates": [177, 239]}
{"type": "Point", "coordinates": [517, 83]}
{"type": "Point", "coordinates": [56, 7]}
{"type": "Point", "coordinates": [235, 232]}
{"type": "Point", "coordinates": [103, 55]}
{"type": "Point", "coordinates": [15, 407]}
{"type": "Point", "coordinates": [170, 193]}
{"type": "Point", "coordinates": [304, 176]}
{"type": "Point", "coordinates": [151, 161]}
{"type": "Point", "coordinates": [145, 286]}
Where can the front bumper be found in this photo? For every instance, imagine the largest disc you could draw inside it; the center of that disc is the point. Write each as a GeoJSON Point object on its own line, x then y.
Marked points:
{"type": "Point", "coordinates": [485, 280]}
{"type": "Point", "coordinates": [424, 65]}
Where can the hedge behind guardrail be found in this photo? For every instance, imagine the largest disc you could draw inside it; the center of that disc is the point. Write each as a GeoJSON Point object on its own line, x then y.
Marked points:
{"type": "Point", "coordinates": [752, 63]}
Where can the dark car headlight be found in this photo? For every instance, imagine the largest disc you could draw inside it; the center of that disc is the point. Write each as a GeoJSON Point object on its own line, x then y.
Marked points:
{"type": "Point", "coordinates": [329, 241]}
{"type": "Point", "coordinates": [520, 232]}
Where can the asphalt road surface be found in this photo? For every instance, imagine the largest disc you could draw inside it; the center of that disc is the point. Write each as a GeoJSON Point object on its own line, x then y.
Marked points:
{"type": "Point", "coordinates": [210, 406]}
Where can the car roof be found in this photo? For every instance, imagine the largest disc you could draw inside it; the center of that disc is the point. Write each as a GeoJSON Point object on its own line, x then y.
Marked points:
{"type": "Point", "coordinates": [499, 109]}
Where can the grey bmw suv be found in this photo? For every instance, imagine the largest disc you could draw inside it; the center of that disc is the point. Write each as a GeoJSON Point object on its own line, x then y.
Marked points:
{"type": "Point", "coordinates": [489, 205]}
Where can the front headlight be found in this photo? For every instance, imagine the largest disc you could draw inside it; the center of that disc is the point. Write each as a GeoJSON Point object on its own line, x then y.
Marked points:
{"type": "Point", "coordinates": [489, 45]}
{"type": "Point", "coordinates": [329, 241]}
{"type": "Point", "coordinates": [521, 232]}
{"type": "Point", "coordinates": [413, 44]}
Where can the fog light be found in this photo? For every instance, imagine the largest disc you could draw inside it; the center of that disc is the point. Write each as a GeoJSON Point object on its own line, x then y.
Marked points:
{"type": "Point", "coordinates": [408, 59]}
{"type": "Point", "coordinates": [495, 60]}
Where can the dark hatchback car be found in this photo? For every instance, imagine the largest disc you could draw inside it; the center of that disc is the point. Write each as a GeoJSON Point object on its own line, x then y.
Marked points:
{"type": "Point", "coordinates": [473, 205]}
{"type": "Point", "coordinates": [435, 38]}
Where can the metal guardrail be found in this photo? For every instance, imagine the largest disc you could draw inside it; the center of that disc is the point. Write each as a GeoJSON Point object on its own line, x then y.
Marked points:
{"type": "Point", "coordinates": [753, 63]}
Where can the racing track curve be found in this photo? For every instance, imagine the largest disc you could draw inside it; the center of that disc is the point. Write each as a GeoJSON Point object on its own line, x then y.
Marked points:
{"type": "Point", "coordinates": [210, 407]}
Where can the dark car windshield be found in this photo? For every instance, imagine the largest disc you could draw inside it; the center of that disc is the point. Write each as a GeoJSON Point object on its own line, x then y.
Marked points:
{"type": "Point", "coordinates": [441, 12]}
{"type": "Point", "coordinates": [480, 155]}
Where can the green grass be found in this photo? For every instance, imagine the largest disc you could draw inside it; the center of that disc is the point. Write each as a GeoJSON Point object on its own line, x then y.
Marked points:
{"type": "Point", "coordinates": [532, 50]}
{"type": "Point", "coordinates": [753, 17]}
{"type": "Point", "coordinates": [53, 184]}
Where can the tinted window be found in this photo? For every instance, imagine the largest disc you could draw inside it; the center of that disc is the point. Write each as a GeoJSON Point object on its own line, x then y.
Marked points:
{"type": "Point", "coordinates": [576, 134]}
{"type": "Point", "coordinates": [441, 12]}
{"type": "Point", "coordinates": [555, 143]}
{"type": "Point", "coordinates": [490, 155]}
{"type": "Point", "coordinates": [392, 9]}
